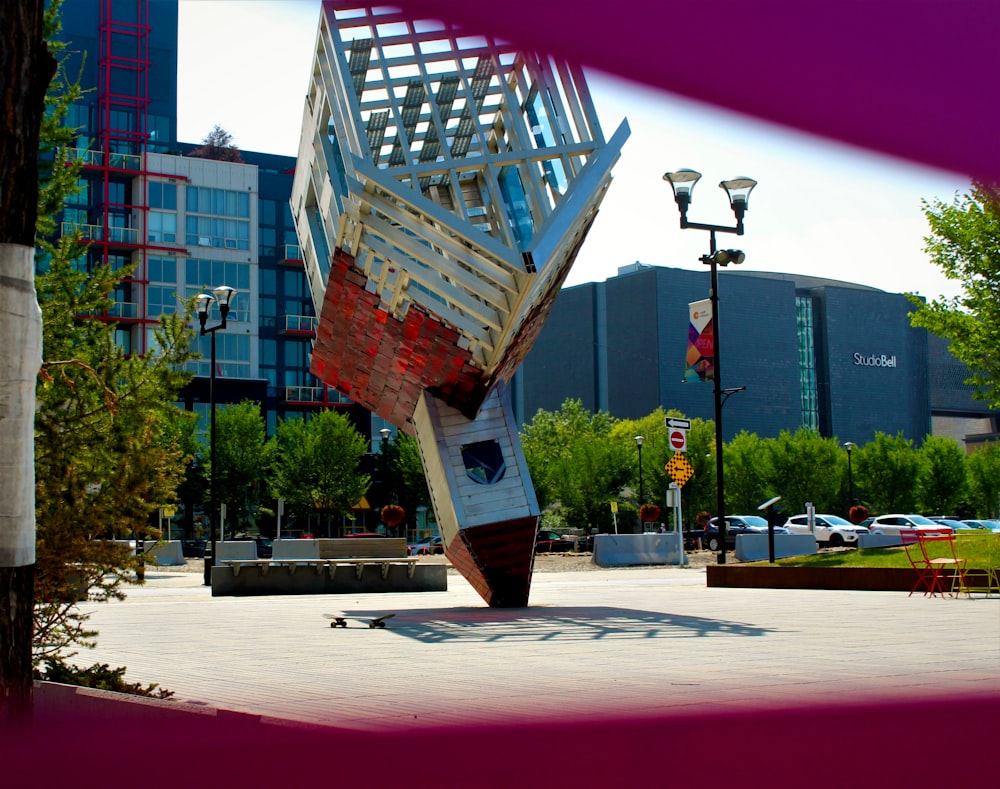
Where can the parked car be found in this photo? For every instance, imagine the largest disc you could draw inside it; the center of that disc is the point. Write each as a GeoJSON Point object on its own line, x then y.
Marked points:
{"type": "Point", "coordinates": [426, 547]}
{"type": "Point", "coordinates": [953, 524]}
{"type": "Point", "coordinates": [736, 524]}
{"type": "Point", "coordinates": [987, 525]}
{"type": "Point", "coordinates": [552, 542]}
{"type": "Point", "coordinates": [829, 530]}
{"type": "Point", "coordinates": [895, 523]}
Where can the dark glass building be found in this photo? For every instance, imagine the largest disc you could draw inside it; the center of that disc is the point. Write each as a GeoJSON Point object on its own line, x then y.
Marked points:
{"type": "Point", "coordinates": [837, 357]}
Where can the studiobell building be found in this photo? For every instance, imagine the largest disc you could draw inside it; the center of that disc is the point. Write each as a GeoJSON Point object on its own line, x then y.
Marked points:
{"type": "Point", "coordinates": [834, 356]}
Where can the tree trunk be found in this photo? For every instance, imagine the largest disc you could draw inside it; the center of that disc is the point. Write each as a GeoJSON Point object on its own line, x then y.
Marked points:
{"type": "Point", "coordinates": [26, 68]}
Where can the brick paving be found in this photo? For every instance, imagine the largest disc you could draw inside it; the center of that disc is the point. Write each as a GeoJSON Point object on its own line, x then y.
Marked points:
{"type": "Point", "coordinates": [638, 641]}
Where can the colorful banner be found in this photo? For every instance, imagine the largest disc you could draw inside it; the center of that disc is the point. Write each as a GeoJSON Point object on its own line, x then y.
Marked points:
{"type": "Point", "coordinates": [701, 342]}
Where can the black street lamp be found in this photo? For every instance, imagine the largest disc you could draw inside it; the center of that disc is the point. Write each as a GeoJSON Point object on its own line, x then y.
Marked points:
{"type": "Point", "coordinates": [849, 446]}
{"type": "Point", "coordinates": [222, 294]}
{"type": "Point", "coordinates": [386, 470]}
{"type": "Point", "coordinates": [638, 444]}
{"type": "Point", "coordinates": [738, 189]}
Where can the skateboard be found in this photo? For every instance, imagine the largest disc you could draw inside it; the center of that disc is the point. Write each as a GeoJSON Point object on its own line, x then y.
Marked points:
{"type": "Point", "coordinates": [341, 621]}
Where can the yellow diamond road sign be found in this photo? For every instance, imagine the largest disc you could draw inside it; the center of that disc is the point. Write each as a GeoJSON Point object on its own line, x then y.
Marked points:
{"type": "Point", "coordinates": [679, 469]}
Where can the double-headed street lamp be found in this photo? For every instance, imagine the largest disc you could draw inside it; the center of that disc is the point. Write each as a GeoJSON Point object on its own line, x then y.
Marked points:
{"type": "Point", "coordinates": [223, 295]}
{"type": "Point", "coordinates": [738, 189]}
{"type": "Point", "coordinates": [849, 446]}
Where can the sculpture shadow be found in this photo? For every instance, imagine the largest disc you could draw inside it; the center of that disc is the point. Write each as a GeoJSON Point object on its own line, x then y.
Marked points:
{"type": "Point", "coordinates": [553, 623]}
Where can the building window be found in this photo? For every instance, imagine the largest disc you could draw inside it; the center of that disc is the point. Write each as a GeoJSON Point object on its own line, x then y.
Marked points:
{"type": "Point", "coordinates": [162, 227]}
{"type": "Point", "coordinates": [808, 389]}
{"type": "Point", "coordinates": [163, 196]}
{"type": "Point", "coordinates": [217, 218]}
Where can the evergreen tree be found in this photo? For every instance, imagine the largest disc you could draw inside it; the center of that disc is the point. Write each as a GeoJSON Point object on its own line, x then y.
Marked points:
{"type": "Point", "coordinates": [218, 144]}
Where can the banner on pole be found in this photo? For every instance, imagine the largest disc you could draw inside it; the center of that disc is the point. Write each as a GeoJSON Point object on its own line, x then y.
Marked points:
{"type": "Point", "coordinates": [701, 342]}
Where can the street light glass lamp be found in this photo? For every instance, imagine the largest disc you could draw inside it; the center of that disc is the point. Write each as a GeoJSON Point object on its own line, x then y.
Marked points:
{"type": "Point", "coordinates": [203, 302]}
{"type": "Point", "coordinates": [639, 440]}
{"type": "Point", "coordinates": [223, 294]}
{"type": "Point", "coordinates": [739, 189]}
{"type": "Point", "coordinates": [682, 182]}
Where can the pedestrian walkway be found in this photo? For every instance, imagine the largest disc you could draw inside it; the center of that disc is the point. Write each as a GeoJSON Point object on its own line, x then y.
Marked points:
{"type": "Point", "coordinates": [645, 641]}
{"type": "Point", "coordinates": [609, 678]}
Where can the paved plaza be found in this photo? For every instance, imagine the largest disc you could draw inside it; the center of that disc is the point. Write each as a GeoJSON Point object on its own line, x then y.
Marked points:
{"type": "Point", "coordinates": [637, 641]}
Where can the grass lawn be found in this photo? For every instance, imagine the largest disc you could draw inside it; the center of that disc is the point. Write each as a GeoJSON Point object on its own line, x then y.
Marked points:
{"type": "Point", "coordinates": [981, 550]}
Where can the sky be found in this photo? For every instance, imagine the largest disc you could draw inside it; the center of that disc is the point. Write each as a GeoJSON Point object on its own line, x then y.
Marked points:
{"type": "Point", "coordinates": [820, 208]}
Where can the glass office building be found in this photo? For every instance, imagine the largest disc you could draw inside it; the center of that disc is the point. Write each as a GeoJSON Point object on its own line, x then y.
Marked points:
{"type": "Point", "coordinates": [837, 357]}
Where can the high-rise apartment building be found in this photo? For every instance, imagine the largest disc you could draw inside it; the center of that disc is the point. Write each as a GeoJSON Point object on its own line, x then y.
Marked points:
{"type": "Point", "coordinates": [187, 224]}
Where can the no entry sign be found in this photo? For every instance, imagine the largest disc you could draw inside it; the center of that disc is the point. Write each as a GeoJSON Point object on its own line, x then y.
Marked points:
{"type": "Point", "coordinates": [678, 439]}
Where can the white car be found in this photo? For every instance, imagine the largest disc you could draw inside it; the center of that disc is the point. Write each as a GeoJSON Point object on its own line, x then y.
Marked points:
{"type": "Point", "coordinates": [831, 530]}
{"type": "Point", "coordinates": [896, 523]}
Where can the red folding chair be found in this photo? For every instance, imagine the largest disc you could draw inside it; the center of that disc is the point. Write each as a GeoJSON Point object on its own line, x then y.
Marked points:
{"type": "Point", "coordinates": [918, 560]}
{"type": "Point", "coordinates": [942, 562]}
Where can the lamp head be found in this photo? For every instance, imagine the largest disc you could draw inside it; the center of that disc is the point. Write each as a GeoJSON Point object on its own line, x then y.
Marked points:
{"type": "Point", "coordinates": [739, 189]}
{"type": "Point", "coordinates": [223, 294]}
{"type": "Point", "coordinates": [203, 302]}
{"type": "Point", "coordinates": [682, 182]}
{"type": "Point", "coordinates": [849, 446]}
{"type": "Point", "coordinates": [385, 433]}
{"type": "Point", "coordinates": [639, 440]}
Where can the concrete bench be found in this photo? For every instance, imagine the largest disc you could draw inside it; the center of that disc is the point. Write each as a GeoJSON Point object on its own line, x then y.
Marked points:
{"type": "Point", "coordinates": [384, 563]}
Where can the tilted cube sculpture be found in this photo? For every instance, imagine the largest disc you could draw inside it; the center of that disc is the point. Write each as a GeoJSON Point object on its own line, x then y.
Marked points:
{"type": "Point", "coordinates": [445, 182]}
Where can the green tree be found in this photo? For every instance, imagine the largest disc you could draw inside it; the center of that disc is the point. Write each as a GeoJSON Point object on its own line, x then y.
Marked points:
{"type": "Point", "coordinates": [575, 462]}
{"type": "Point", "coordinates": [746, 472]}
{"type": "Point", "coordinates": [803, 466]}
{"type": "Point", "coordinates": [241, 434]}
{"type": "Point", "coordinates": [941, 481]}
{"type": "Point", "coordinates": [108, 447]}
{"type": "Point", "coordinates": [887, 469]}
{"type": "Point", "coordinates": [964, 242]}
{"type": "Point", "coordinates": [314, 466]}
{"type": "Point", "coordinates": [218, 144]}
{"type": "Point", "coordinates": [699, 492]}
{"type": "Point", "coordinates": [412, 491]}
{"type": "Point", "coordinates": [983, 470]}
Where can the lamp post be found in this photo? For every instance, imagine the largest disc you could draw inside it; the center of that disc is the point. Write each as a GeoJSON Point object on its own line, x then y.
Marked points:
{"type": "Point", "coordinates": [738, 189]}
{"type": "Point", "coordinates": [222, 294]}
{"type": "Point", "coordinates": [638, 444]}
{"type": "Point", "coordinates": [386, 478]}
{"type": "Point", "coordinates": [849, 446]}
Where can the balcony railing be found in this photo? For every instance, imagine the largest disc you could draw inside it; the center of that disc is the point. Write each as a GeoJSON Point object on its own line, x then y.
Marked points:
{"type": "Point", "coordinates": [291, 255]}
{"type": "Point", "coordinates": [314, 395]}
{"type": "Point", "coordinates": [304, 325]}
{"type": "Point", "coordinates": [117, 161]}
{"type": "Point", "coordinates": [115, 235]}
{"type": "Point", "coordinates": [124, 309]}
